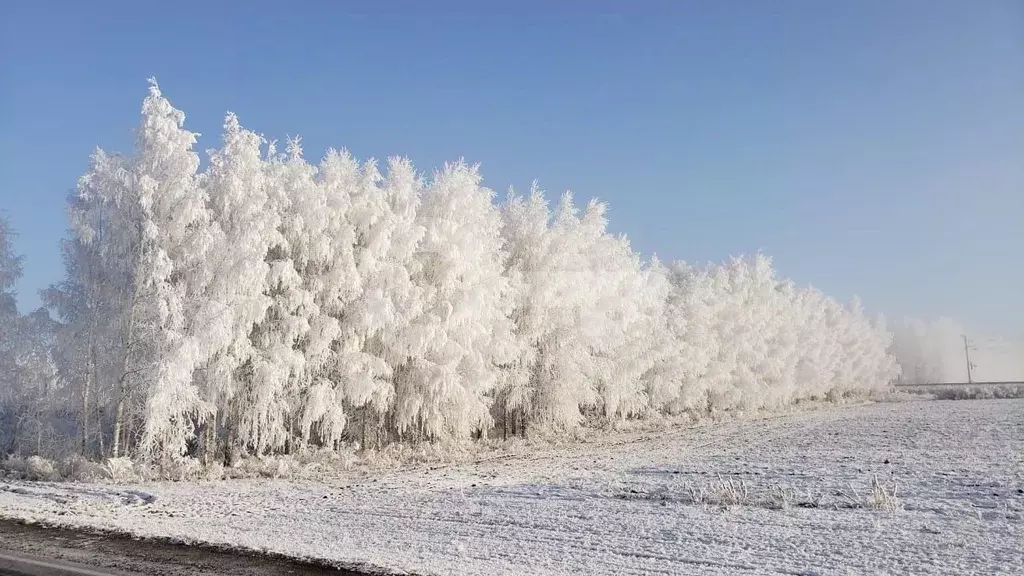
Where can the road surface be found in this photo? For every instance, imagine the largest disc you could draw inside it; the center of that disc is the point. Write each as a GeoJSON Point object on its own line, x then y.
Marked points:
{"type": "Point", "coordinates": [36, 551]}
{"type": "Point", "coordinates": [18, 565]}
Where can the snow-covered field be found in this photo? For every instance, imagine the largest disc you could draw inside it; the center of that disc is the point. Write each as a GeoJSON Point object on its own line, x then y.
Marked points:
{"type": "Point", "coordinates": [788, 494]}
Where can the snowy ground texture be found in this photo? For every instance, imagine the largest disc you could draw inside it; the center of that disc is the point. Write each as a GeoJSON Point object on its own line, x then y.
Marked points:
{"type": "Point", "coordinates": [779, 495]}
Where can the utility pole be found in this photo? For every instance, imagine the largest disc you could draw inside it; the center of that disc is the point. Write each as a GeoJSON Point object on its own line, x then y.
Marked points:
{"type": "Point", "coordinates": [967, 354]}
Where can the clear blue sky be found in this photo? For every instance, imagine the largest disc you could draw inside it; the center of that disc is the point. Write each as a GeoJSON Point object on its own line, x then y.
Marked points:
{"type": "Point", "coordinates": [872, 147]}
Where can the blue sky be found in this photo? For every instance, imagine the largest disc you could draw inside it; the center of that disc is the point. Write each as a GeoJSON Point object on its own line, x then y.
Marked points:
{"type": "Point", "coordinates": [872, 147]}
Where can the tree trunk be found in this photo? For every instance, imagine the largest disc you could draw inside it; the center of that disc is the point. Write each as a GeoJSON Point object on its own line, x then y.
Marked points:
{"type": "Point", "coordinates": [210, 439]}
{"type": "Point", "coordinates": [90, 375]}
{"type": "Point", "coordinates": [129, 341]}
{"type": "Point", "coordinates": [362, 440]}
{"type": "Point", "coordinates": [115, 451]}
{"type": "Point", "coordinates": [85, 405]}
{"type": "Point", "coordinates": [90, 370]}
{"type": "Point", "coordinates": [99, 430]}
{"type": "Point", "coordinates": [230, 442]}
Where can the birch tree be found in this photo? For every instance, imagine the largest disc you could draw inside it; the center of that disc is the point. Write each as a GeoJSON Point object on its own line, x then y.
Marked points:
{"type": "Point", "coordinates": [176, 237]}
{"type": "Point", "coordinates": [246, 227]}
{"type": "Point", "coordinates": [463, 333]}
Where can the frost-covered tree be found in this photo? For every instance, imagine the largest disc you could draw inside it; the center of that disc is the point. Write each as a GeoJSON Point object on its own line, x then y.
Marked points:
{"type": "Point", "coordinates": [632, 345]}
{"type": "Point", "coordinates": [102, 348]}
{"type": "Point", "coordinates": [269, 400]}
{"type": "Point", "coordinates": [530, 271]}
{"type": "Point", "coordinates": [368, 291]}
{"type": "Point", "coordinates": [35, 409]}
{"type": "Point", "coordinates": [264, 304]}
{"type": "Point", "coordinates": [677, 384]}
{"type": "Point", "coordinates": [245, 226]}
{"type": "Point", "coordinates": [462, 334]}
{"type": "Point", "coordinates": [10, 273]}
{"type": "Point", "coordinates": [31, 397]}
{"type": "Point", "coordinates": [748, 340]}
{"type": "Point", "coordinates": [328, 268]}
{"type": "Point", "coordinates": [378, 323]}
{"type": "Point", "coordinates": [586, 316]}
{"type": "Point", "coordinates": [176, 237]}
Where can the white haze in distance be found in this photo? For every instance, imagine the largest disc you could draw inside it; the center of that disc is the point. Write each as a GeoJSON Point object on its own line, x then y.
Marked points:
{"type": "Point", "coordinates": [933, 351]}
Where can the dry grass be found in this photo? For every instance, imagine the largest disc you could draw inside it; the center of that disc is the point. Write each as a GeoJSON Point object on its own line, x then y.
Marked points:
{"type": "Point", "coordinates": [884, 496]}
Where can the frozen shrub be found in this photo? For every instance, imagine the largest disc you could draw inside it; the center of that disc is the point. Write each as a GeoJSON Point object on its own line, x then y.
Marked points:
{"type": "Point", "coordinates": [14, 466]}
{"type": "Point", "coordinates": [281, 467]}
{"type": "Point", "coordinates": [269, 467]}
{"type": "Point", "coordinates": [182, 470]}
{"type": "Point", "coordinates": [321, 461]}
{"type": "Point", "coordinates": [880, 496]}
{"type": "Point", "coordinates": [697, 494]}
{"type": "Point", "coordinates": [39, 468]}
{"type": "Point", "coordinates": [894, 395]}
{"type": "Point", "coordinates": [731, 493]}
{"type": "Point", "coordinates": [883, 496]}
{"type": "Point", "coordinates": [213, 471]}
{"type": "Point", "coordinates": [121, 470]}
{"type": "Point", "coordinates": [78, 469]}
{"type": "Point", "coordinates": [243, 468]}
{"type": "Point", "coordinates": [780, 497]}
{"type": "Point", "coordinates": [978, 392]}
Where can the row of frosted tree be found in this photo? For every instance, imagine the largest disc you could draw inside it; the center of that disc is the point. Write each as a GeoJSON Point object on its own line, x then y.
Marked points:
{"type": "Point", "coordinates": [264, 304]}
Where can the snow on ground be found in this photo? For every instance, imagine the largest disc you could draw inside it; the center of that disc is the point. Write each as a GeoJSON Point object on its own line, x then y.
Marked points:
{"type": "Point", "coordinates": [637, 503]}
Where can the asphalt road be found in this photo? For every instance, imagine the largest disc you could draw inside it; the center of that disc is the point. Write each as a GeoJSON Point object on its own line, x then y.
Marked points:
{"type": "Point", "coordinates": [38, 551]}
{"type": "Point", "coordinates": [17, 565]}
